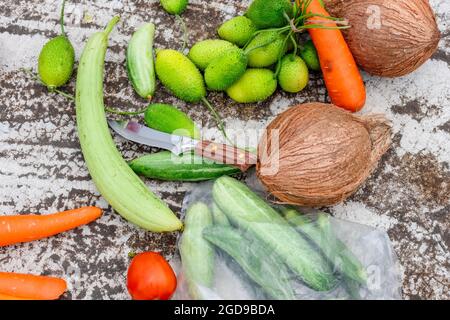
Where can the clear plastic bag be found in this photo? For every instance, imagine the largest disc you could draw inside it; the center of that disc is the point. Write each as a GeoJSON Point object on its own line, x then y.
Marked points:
{"type": "Point", "coordinates": [239, 246]}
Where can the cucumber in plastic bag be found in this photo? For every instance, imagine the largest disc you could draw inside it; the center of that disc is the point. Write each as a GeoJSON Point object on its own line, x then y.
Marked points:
{"type": "Point", "coordinates": [252, 214]}
{"type": "Point", "coordinates": [261, 264]}
{"type": "Point", "coordinates": [197, 254]}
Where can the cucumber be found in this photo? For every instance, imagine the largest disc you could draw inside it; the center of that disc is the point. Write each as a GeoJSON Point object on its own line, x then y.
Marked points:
{"type": "Point", "coordinates": [254, 86]}
{"type": "Point", "coordinates": [321, 233]}
{"type": "Point", "coordinates": [219, 218]}
{"type": "Point", "coordinates": [189, 167]}
{"type": "Point", "coordinates": [57, 58]}
{"type": "Point", "coordinates": [251, 213]}
{"type": "Point", "coordinates": [180, 75]}
{"type": "Point", "coordinates": [238, 30]}
{"type": "Point", "coordinates": [265, 49]}
{"type": "Point", "coordinates": [115, 180]}
{"type": "Point", "coordinates": [345, 259]}
{"type": "Point", "coordinates": [175, 7]}
{"type": "Point", "coordinates": [167, 118]}
{"type": "Point", "coordinates": [197, 254]}
{"type": "Point", "coordinates": [270, 13]}
{"type": "Point", "coordinates": [294, 74]}
{"type": "Point", "coordinates": [203, 52]}
{"type": "Point", "coordinates": [260, 263]}
{"type": "Point", "coordinates": [226, 69]}
{"type": "Point", "coordinates": [140, 63]}
{"type": "Point", "coordinates": [310, 56]}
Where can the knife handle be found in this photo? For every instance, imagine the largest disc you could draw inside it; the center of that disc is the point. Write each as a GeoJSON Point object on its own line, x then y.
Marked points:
{"type": "Point", "coordinates": [226, 154]}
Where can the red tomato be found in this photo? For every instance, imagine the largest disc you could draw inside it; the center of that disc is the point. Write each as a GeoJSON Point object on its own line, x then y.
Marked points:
{"type": "Point", "coordinates": [150, 277]}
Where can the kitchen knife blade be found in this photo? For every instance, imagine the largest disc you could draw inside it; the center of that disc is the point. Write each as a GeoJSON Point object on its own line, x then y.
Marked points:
{"type": "Point", "coordinates": [144, 135]}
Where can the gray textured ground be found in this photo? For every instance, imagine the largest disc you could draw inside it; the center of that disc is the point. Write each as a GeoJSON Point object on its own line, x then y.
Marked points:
{"type": "Point", "coordinates": [42, 169]}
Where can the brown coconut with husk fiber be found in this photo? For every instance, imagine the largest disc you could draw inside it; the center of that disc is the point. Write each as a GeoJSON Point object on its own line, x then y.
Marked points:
{"type": "Point", "coordinates": [317, 154]}
{"type": "Point", "coordinates": [388, 38]}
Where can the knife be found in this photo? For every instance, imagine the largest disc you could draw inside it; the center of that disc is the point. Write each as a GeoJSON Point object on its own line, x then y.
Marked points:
{"type": "Point", "coordinates": [178, 145]}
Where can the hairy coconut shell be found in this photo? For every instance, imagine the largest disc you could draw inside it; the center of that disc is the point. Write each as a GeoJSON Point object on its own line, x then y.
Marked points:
{"type": "Point", "coordinates": [388, 38]}
{"type": "Point", "coordinates": [317, 154]}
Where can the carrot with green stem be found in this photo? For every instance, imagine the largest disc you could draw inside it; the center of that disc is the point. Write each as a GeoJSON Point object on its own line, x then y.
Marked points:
{"type": "Point", "coordinates": [30, 287]}
{"type": "Point", "coordinates": [341, 74]}
{"type": "Point", "coordinates": [25, 228]}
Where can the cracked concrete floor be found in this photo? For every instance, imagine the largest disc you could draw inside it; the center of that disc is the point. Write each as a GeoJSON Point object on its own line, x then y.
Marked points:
{"type": "Point", "coordinates": [42, 169]}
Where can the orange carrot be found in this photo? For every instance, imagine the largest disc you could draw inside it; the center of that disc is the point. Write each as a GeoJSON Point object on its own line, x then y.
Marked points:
{"type": "Point", "coordinates": [24, 228]}
{"type": "Point", "coordinates": [5, 297]}
{"type": "Point", "coordinates": [30, 287]}
{"type": "Point", "coordinates": [342, 77]}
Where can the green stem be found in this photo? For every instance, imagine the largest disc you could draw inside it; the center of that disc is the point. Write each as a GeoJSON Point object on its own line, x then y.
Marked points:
{"type": "Point", "coordinates": [61, 18]}
{"type": "Point", "coordinates": [185, 32]}
{"type": "Point", "coordinates": [281, 30]}
{"type": "Point", "coordinates": [112, 24]}
{"type": "Point", "coordinates": [64, 94]}
{"type": "Point", "coordinates": [294, 43]}
{"type": "Point", "coordinates": [280, 56]}
{"type": "Point", "coordinates": [217, 118]}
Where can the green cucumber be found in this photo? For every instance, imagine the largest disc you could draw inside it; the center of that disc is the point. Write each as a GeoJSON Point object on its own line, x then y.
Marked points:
{"type": "Point", "coordinates": [175, 7]}
{"type": "Point", "coordinates": [345, 259]}
{"type": "Point", "coordinates": [203, 52]}
{"type": "Point", "coordinates": [238, 30]}
{"type": "Point", "coordinates": [197, 254]}
{"type": "Point", "coordinates": [265, 49]}
{"type": "Point", "coordinates": [180, 75]}
{"type": "Point", "coordinates": [255, 85]}
{"type": "Point", "coordinates": [57, 59]}
{"type": "Point", "coordinates": [294, 74]}
{"type": "Point", "coordinates": [184, 80]}
{"type": "Point", "coordinates": [251, 213]}
{"type": "Point", "coordinates": [321, 233]}
{"type": "Point", "coordinates": [219, 218]}
{"type": "Point", "coordinates": [226, 69]}
{"type": "Point", "coordinates": [310, 56]}
{"type": "Point", "coordinates": [260, 263]}
{"type": "Point", "coordinates": [270, 13]}
{"type": "Point", "coordinates": [167, 118]}
{"type": "Point", "coordinates": [189, 167]}
{"type": "Point", "coordinates": [115, 180]}
{"type": "Point", "coordinates": [140, 63]}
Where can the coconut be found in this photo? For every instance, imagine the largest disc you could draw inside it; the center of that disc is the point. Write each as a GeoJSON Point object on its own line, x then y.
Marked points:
{"type": "Point", "coordinates": [317, 154]}
{"type": "Point", "coordinates": [388, 38]}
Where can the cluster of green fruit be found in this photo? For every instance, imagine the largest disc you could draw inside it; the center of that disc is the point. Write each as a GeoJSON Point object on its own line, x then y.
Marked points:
{"type": "Point", "coordinates": [248, 60]}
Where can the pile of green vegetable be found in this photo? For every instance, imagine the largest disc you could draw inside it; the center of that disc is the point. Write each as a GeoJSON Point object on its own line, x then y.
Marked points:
{"type": "Point", "coordinates": [256, 52]}
{"type": "Point", "coordinates": [275, 248]}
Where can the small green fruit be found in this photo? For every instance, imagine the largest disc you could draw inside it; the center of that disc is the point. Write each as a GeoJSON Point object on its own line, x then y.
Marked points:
{"type": "Point", "coordinates": [167, 118]}
{"type": "Point", "coordinates": [238, 30]}
{"type": "Point", "coordinates": [309, 55]}
{"type": "Point", "coordinates": [56, 62]}
{"type": "Point", "coordinates": [294, 75]}
{"type": "Point", "coordinates": [225, 70]}
{"type": "Point", "coordinates": [269, 13]}
{"type": "Point", "coordinates": [203, 52]}
{"type": "Point", "coordinates": [175, 7]}
{"type": "Point", "coordinates": [268, 54]}
{"type": "Point", "coordinates": [180, 75]}
{"type": "Point", "coordinates": [254, 86]}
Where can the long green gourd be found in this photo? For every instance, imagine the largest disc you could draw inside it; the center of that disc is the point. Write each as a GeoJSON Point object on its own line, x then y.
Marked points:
{"type": "Point", "coordinates": [115, 180]}
{"type": "Point", "coordinates": [251, 213]}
